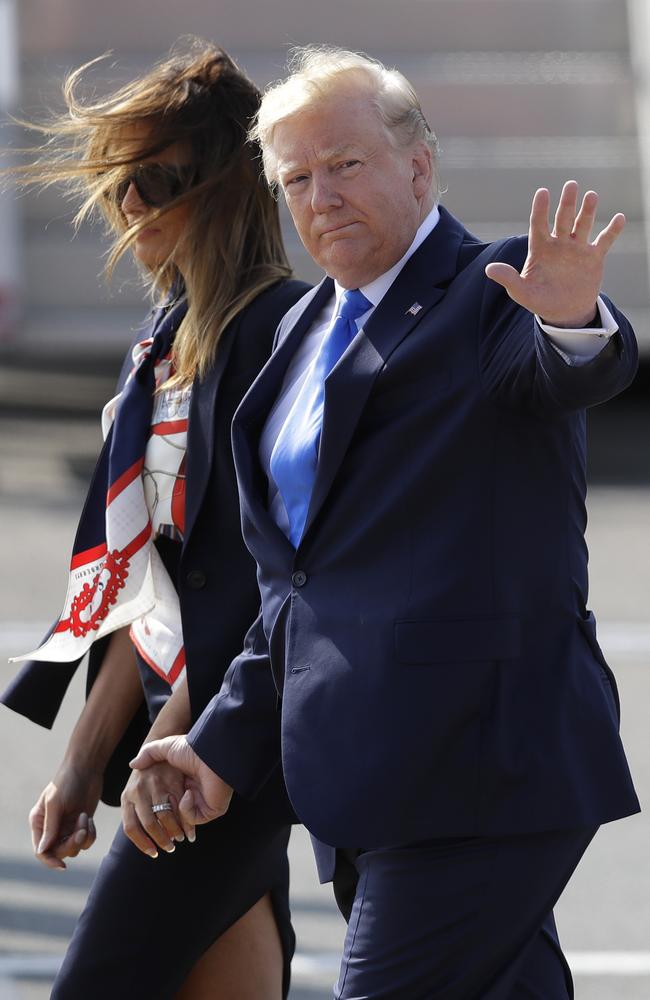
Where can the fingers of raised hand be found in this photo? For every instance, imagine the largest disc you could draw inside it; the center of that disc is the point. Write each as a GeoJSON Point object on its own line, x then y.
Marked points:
{"type": "Point", "coordinates": [586, 217]}
{"type": "Point", "coordinates": [539, 231]}
{"type": "Point", "coordinates": [608, 236]}
{"type": "Point", "coordinates": [505, 275]}
{"type": "Point", "coordinates": [565, 215]}
{"type": "Point", "coordinates": [570, 223]}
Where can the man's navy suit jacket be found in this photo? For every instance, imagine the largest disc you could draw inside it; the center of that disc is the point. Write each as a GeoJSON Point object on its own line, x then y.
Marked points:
{"type": "Point", "coordinates": [215, 576]}
{"type": "Point", "coordinates": [438, 668]}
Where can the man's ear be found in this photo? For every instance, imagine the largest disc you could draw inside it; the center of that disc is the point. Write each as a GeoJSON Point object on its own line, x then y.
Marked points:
{"type": "Point", "coordinates": [422, 166]}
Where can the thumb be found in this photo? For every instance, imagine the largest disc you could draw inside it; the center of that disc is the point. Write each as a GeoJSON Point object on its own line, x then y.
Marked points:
{"type": "Point", "coordinates": [505, 275]}
{"type": "Point", "coordinates": [152, 753]}
{"type": "Point", "coordinates": [195, 810]}
{"type": "Point", "coordinates": [51, 825]}
{"type": "Point", "coordinates": [187, 807]}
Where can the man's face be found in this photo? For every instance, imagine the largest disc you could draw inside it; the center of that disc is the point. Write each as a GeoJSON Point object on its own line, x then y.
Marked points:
{"type": "Point", "coordinates": [356, 200]}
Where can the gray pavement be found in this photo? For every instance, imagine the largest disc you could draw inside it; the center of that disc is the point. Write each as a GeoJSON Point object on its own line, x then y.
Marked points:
{"type": "Point", "coordinates": [604, 916]}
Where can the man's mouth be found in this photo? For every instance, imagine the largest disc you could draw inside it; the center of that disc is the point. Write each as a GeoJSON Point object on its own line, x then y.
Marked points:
{"type": "Point", "coordinates": [332, 230]}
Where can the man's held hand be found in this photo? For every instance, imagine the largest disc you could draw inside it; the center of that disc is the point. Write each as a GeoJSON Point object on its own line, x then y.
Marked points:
{"type": "Point", "coordinates": [206, 796]}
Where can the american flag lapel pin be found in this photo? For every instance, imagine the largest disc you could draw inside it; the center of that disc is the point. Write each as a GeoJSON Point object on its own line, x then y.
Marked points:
{"type": "Point", "coordinates": [413, 310]}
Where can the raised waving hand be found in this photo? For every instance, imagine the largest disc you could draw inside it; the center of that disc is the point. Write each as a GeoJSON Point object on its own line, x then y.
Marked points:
{"type": "Point", "coordinates": [562, 274]}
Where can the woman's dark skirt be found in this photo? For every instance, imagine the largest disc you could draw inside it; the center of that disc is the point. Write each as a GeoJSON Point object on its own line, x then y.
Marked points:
{"type": "Point", "coordinates": [148, 921]}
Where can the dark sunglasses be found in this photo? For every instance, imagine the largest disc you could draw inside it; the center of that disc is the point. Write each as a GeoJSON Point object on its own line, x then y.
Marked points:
{"type": "Point", "coordinates": [157, 184]}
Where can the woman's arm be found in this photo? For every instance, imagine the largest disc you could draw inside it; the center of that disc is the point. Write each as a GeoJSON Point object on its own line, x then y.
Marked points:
{"type": "Point", "coordinates": [61, 821]}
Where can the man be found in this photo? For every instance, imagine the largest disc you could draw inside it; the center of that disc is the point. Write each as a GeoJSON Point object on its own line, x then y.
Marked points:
{"type": "Point", "coordinates": [411, 469]}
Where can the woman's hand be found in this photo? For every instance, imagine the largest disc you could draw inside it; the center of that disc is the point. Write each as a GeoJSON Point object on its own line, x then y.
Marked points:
{"type": "Point", "coordinates": [61, 821]}
{"type": "Point", "coordinates": [160, 783]}
{"type": "Point", "coordinates": [206, 795]}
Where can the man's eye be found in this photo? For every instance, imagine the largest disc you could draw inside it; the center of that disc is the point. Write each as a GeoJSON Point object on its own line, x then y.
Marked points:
{"type": "Point", "coordinates": [350, 163]}
{"type": "Point", "coordinates": [295, 180]}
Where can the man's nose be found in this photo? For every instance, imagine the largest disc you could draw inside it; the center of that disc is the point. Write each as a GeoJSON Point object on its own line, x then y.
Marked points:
{"type": "Point", "coordinates": [324, 194]}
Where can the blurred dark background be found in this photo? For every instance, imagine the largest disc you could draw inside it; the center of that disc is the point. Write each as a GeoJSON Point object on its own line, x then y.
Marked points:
{"type": "Point", "coordinates": [520, 92]}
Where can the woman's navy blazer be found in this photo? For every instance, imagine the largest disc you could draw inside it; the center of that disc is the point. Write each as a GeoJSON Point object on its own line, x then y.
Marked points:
{"type": "Point", "coordinates": [216, 580]}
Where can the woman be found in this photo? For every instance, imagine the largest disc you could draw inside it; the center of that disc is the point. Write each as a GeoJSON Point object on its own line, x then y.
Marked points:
{"type": "Point", "coordinates": [161, 587]}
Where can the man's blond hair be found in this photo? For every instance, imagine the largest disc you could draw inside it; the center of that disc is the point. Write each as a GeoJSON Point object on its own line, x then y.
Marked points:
{"type": "Point", "coordinates": [315, 72]}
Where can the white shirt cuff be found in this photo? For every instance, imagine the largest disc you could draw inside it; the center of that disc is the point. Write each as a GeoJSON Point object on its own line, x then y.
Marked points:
{"type": "Point", "coordinates": [578, 347]}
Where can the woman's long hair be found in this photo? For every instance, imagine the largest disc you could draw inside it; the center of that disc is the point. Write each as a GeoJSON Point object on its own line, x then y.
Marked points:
{"type": "Point", "coordinates": [232, 244]}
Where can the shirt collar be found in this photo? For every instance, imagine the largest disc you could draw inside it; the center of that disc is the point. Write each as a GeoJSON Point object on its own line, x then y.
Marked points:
{"type": "Point", "coordinates": [375, 290]}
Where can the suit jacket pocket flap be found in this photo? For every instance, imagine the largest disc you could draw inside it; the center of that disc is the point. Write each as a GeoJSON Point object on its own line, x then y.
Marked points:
{"type": "Point", "coordinates": [458, 639]}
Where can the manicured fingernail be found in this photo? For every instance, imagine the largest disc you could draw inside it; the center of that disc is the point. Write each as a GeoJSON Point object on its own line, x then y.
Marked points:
{"type": "Point", "coordinates": [191, 837]}
{"type": "Point", "coordinates": [152, 853]}
{"type": "Point", "coordinates": [170, 850]}
{"type": "Point", "coordinates": [179, 838]}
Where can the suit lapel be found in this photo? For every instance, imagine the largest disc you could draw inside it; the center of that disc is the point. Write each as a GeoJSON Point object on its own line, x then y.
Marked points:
{"type": "Point", "coordinates": [417, 289]}
{"type": "Point", "coordinates": [201, 431]}
{"type": "Point", "coordinates": [254, 409]}
{"type": "Point", "coordinates": [257, 402]}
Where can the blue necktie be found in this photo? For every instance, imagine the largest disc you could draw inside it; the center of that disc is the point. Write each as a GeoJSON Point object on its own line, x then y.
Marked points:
{"type": "Point", "coordinates": [295, 454]}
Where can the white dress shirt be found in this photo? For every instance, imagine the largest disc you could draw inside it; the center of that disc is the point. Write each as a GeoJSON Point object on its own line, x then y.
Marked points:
{"type": "Point", "coordinates": [575, 346]}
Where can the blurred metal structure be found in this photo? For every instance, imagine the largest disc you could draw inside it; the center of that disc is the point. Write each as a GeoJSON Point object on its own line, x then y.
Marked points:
{"type": "Point", "coordinates": [521, 93]}
{"type": "Point", "coordinates": [9, 244]}
{"type": "Point", "coordinates": [639, 25]}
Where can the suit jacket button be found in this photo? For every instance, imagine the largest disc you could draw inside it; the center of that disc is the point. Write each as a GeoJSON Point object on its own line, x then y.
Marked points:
{"type": "Point", "coordinates": [196, 579]}
{"type": "Point", "coordinates": [299, 578]}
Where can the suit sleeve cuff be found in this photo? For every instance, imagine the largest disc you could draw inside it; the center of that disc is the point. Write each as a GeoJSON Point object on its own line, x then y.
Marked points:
{"type": "Point", "coordinates": [579, 347]}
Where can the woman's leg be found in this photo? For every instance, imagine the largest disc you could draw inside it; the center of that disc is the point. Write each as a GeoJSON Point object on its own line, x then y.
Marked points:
{"type": "Point", "coordinates": [245, 963]}
{"type": "Point", "coordinates": [148, 922]}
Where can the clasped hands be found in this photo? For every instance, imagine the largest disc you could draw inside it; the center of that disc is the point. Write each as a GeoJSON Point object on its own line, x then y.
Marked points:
{"type": "Point", "coordinates": [168, 771]}
{"type": "Point", "coordinates": [165, 771]}
{"type": "Point", "coordinates": [561, 277]}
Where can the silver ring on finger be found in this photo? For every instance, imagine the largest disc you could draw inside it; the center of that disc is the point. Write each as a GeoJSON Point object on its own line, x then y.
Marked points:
{"type": "Point", "coordinates": [161, 807]}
